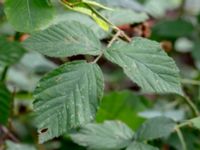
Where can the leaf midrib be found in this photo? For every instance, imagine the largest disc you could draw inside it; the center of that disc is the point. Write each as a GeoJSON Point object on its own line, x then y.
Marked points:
{"type": "Point", "coordinates": [29, 13]}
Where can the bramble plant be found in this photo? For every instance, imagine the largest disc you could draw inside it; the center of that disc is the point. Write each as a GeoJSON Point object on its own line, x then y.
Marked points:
{"type": "Point", "coordinates": [62, 44]}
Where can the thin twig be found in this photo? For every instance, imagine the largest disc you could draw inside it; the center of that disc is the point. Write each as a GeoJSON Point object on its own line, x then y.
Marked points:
{"type": "Point", "coordinates": [119, 32]}
{"type": "Point", "coordinates": [185, 123]}
{"type": "Point", "coordinates": [99, 15]}
{"type": "Point", "coordinates": [106, 20]}
{"type": "Point", "coordinates": [109, 45]}
{"type": "Point", "coordinates": [127, 38]}
{"type": "Point", "coordinates": [189, 81]}
{"type": "Point", "coordinates": [181, 138]}
{"type": "Point", "coordinates": [192, 106]}
{"type": "Point", "coordinates": [8, 134]}
{"type": "Point", "coordinates": [114, 39]}
{"type": "Point", "coordinates": [110, 23]}
{"type": "Point", "coordinates": [97, 59]}
{"type": "Point", "coordinates": [182, 8]}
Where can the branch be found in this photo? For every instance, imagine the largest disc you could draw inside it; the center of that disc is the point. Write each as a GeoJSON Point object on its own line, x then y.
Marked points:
{"type": "Point", "coordinates": [119, 32]}
{"type": "Point", "coordinates": [192, 105]}
{"type": "Point", "coordinates": [189, 81]}
{"type": "Point", "coordinates": [114, 39]}
{"type": "Point", "coordinates": [8, 134]}
{"type": "Point", "coordinates": [109, 45]}
{"type": "Point", "coordinates": [181, 138]}
{"type": "Point", "coordinates": [110, 23]}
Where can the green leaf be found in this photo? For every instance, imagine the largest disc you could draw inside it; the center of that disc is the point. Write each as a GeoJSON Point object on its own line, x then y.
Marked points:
{"type": "Point", "coordinates": [67, 98]}
{"type": "Point", "coordinates": [14, 146]}
{"type": "Point", "coordinates": [190, 139]}
{"type": "Point", "coordinates": [198, 18]}
{"type": "Point", "coordinates": [25, 74]}
{"type": "Point", "coordinates": [28, 15]}
{"type": "Point", "coordinates": [155, 128]}
{"type": "Point", "coordinates": [118, 17]}
{"type": "Point", "coordinates": [127, 4]}
{"type": "Point", "coordinates": [83, 8]}
{"type": "Point", "coordinates": [124, 16]}
{"type": "Point", "coordinates": [158, 9]}
{"type": "Point", "coordinates": [10, 52]}
{"type": "Point", "coordinates": [5, 104]}
{"type": "Point", "coordinates": [104, 25]}
{"type": "Point", "coordinates": [196, 122]}
{"type": "Point", "coordinates": [122, 106]}
{"type": "Point", "coordinates": [146, 63]}
{"type": "Point", "coordinates": [63, 16]}
{"type": "Point", "coordinates": [65, 39]}
{"type": "Point", "coordinates": [109, 135]}
{"type": "Point", "coordinates": [175, 114]}
{"type": "Point", "coordinates": [173, 28]}
{"type": "Point", "coordinates": [195, 52]}
{"type": "Point", "coordinates": [90, 2]}
{"type": "Point", "coordinates": [140, 146]}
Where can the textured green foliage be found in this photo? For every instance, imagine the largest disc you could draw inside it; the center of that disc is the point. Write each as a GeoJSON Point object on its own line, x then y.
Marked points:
{"type": "Point", "coordinates": [28, 15]}
{"type": "Point", "coordinates": [107, 136]}
{"type": "Point", "coordinates": [5, 104]}
{"type": "Point", "coordinates": [140, 146]}
{"type": "Point", "coordinates": [198, 18]}
{"type": "Point", "coordinates": [66, 98]}
{"type": "Point", "coordinates": [10, 52]}
{"type": "Point", "coordinates": [196, 122]}
{"type": "Point", "coordinates": [118, 17]}
{"type": "Point", "coordinates": [158, 8]}
{"type": "Point", "coordinates": [1, 71]}
{"type": "Point", "coordinates": [65, 39]}
{"type": "Point", "coordinates": [173, 28]}
{"type": "Point", "coordinates": [122, 106]}
{"type": "Point", "coordinates": [128, 4]}
{"type": "Point", "coordinates": [195, 51]}
{"type": "Point", "coordinates": [83, 19]}
{"type": "Point", "coordinates": [123, 16]}
{"type": "Point", "coordinates": [93, 3]}
{"type": "Point", "coordinates": [155, 128]}
{"type": "Point", "coordinates": [146, 63]}
{"type": "Point", "coordinates": [14, 146]}
{"type": "Point", "coordinates": [81, 6]}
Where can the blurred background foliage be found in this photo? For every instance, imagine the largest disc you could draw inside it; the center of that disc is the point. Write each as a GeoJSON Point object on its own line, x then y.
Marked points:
{"type": "Point", "coordinates": [174, 23]}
